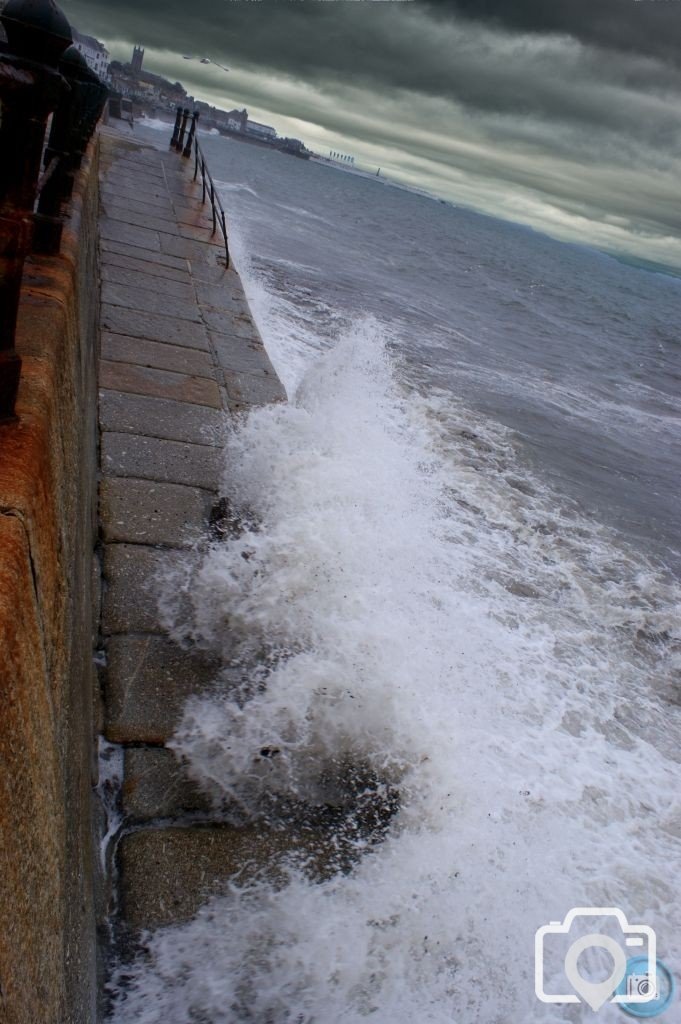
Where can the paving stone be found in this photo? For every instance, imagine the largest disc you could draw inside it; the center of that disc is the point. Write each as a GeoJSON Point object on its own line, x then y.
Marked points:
{"type": "Point", "coordinates": [153, 220]}
{"type": "Point", "coordinates": [156, 786]}
{"type": "Point", "coordinates": [141, 180]}
{"type": "Point", "coordinates": [159, 259]}
{"type": "Point", "coordinates": [143, 276]}
{"type": "Point", "coordinates": [149, 458]}
{"type": "Point", "coordinates": [222, 322]}
{"type": "Point", "coordinates": [134, 578]}
{"type": "Point", "coordinates": [131, 235]}
{"type": "Point", "coordinates": [133, 185]}
{"type": "Point", "coordinates": [148, 680]}
{"type": "Point", "coordinates": [139, 167]}
{"type": "Point", "coordinates": [222, 295]}
{"type": "Point", "coordinates": [147, 380]}
{"type": "Point", "coordinates": [119, 348]}
{"type": "Point", "coordinates": [149, 512]}
{"type": "Point", "coordinates": [214, 272]}
{"type": "Point", "coordinates": [153, 326]}
{"type": "Point", "coordinates": [135, 265]}
{"type": "Point", "coordinates": [241, 354]}
{"type": "Point", "coordinates": [202, 229]}
{"type": "Point", "coordinates": [191, 213]}
{"type": "Point", "coordinates": [184, 247]}
{"type": "Point", "coordinates": [165, 302]}
{"type": "Point", "coordinates": [252, 389]}
{"type": "Point", "coordinates": [126, 186]}
{"type": "Point", "coordinates": [153, 199]}
{"type": "Point", "coordinates": [166, 874]}
{"type": "Point", "coordinates": [183, 187]}
{"type": "Point", "coordinates": [160, 417]}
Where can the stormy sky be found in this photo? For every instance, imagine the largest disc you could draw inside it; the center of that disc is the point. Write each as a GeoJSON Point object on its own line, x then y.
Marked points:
{"type": "Point", "coordinates": [561, 114]}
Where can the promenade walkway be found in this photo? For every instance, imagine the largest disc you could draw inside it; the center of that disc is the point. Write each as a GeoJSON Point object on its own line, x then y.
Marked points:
{"type": "Point", "coordinates": [179, 353]}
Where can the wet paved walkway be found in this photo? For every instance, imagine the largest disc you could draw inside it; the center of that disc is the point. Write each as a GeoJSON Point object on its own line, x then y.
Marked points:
{"type": "Point", "coordinates": [179, 352]}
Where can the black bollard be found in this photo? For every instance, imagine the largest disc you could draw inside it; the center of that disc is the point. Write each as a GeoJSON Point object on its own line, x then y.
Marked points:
{"type": "Point", "coordinates": [30, 89]}
{"type": "Point", "coordinates": [192, 132]}
{"type": "Point", "coordinates": [183, 127]}
{"type": "Point", "coordinates": [176, 129]}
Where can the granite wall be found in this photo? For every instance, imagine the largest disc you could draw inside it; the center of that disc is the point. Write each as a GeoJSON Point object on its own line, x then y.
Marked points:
{"type": "Point", "coordinates": [47, 619]}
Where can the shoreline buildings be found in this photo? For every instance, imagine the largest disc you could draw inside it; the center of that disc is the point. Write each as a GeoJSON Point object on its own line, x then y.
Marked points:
{"type": "Point", "coordinates": [156, 96]}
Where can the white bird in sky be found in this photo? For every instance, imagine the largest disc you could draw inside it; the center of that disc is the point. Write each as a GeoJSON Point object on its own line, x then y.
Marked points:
{"type": "Point", "coordinates": [205, 60]}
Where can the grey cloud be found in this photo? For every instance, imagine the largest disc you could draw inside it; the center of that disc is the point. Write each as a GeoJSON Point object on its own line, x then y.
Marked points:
{"type": "Point", "coordinates": [552, 102]}
{"type": "Point", "coordinates": [638, 26]}
{"type": "Point", "coordinates": [398, 46]}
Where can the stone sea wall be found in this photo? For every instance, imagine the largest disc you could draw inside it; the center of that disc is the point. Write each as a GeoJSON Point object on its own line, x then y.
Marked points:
{"type": "Point", "coordinates": [48, 613]}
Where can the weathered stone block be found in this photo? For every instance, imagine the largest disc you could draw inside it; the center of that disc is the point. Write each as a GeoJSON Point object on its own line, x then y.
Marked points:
{"type": "Point", "coordinates": [166, 874]}
{"type": "Point", "coordinates": [147, 682]}
{"type": "Point", "coordinates": [187, 248]}
{"type": "Point", "coordinates": [176, 358]}
{"type": "Point", "coordinates": [160, 417]}
{"type": "Point", "coordinates": [148, 380]}
{"type": "Point", "coordinates": [125, 277]}
{"type": "Point", "coordinates": [131, 235]}
{"type": "Point", "coordinates": [252, 389]}
{"type": "Point", "coordinates": [154, 220]}
{"type": "Point", "coordinates": [133, 577]}
{"type": "Point", "coordinates": [154, 326]}
{"type": "Point", "coordinates": [222, 298]}
{"type": "Point", "coordinates": [244, 355]}
{"type": "Point", "coordinates": [237, 323]}
{"type": "Point", "coordinates": [164, 301]}
{"type": "Point", "coordinates": [154, 199]}
{"type": "Point", "coordinates": [149, 512]}
{"type": "Point", "coordinates": [137, 264]}
{"type": "Point", "coordinates": [157, 786]}
{"type": "Point", "coordinates": [150, 458]}
{"type": "Point", "coordinates": [151, 256]}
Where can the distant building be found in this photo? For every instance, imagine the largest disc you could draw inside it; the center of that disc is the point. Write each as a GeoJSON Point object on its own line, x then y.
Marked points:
{"type": "Point", "coordinates": [137, 60]}
{"type": "Point", "coordinates": [95, 53]}
{"type": "Point", "coordinates": [235, 120]}
{"type": "Point", "coordinates": [261, 131]}
{"type": "Point", "coordinates": [295, 147]}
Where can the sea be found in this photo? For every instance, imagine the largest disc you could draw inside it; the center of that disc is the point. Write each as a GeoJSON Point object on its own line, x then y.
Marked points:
{"type": "Point", "coordinates": [458, 569]}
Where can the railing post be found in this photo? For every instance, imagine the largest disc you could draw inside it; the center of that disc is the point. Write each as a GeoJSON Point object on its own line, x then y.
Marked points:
{"type": "Point", "coordinates": [72, 125]}
{"type": "Point", "coordinates": [30, 89]}
{"type": "Point", "coordinates": [192, 132]}
{"type": "Point", "coordinates": [176, 129]}
{"type": "Point", "coordinates": [183, 127]}
{"type": "Point", "coordinates": [224, 235]}
{"type": "Point", "coordinates": [212, 203]}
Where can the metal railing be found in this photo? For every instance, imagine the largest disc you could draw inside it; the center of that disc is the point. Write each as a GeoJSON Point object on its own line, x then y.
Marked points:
{"type": "Point", "coordinates": [41, 74]}
{"type": "Point", "coordinates": [208, 185]}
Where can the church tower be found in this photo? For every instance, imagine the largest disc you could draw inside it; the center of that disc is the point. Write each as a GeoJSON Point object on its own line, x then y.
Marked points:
{"type": "Point", "coordinates": [137, 58]}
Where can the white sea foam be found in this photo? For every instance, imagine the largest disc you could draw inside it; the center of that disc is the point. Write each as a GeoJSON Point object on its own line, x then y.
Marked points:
{"type": "Point", "coordinates": [424, 604]}
{"type": "Point", "coordinates": [156, 124]}
{"type": "Point", "coordinates": [508, 666]}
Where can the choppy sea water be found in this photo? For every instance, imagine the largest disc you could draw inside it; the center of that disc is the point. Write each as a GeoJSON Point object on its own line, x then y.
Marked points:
{"type": "Point", "coordinates": [462, 575]}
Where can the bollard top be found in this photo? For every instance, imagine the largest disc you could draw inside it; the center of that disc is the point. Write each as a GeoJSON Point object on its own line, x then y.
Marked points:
{"type": "Point", "coordinates": [36, 30]}
{"type": "Point", "coordinates": [73, 65]}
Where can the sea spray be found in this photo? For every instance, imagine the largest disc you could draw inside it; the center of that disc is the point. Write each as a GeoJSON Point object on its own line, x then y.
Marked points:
{"type": "Point", "coordinates": [420, 604]}
{"type": "Point", "coordinates": [323, 589]}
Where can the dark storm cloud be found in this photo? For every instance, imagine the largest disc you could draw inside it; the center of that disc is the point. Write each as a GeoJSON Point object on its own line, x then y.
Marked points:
{"type": "Point", "coordinates": [640, 26]}
{"type": "Point", "coordinates": [401, 46]}
{"type": "Point", "coordinates": [566, 115]}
